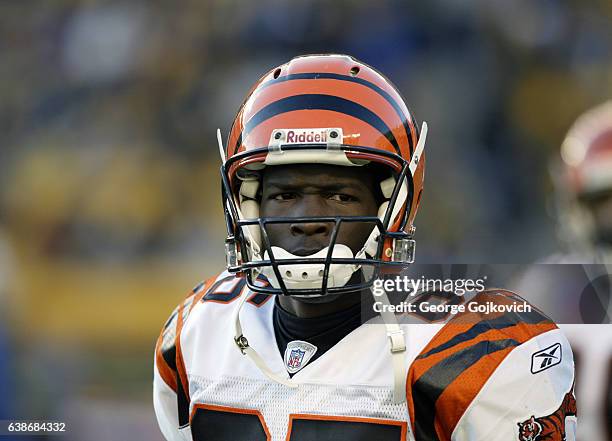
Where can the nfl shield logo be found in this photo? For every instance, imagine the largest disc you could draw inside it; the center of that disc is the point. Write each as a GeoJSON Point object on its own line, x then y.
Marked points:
{"type": "Point", "coordinates": [297, 355]}
{"type": "Point", "coordinates": [295, 358]}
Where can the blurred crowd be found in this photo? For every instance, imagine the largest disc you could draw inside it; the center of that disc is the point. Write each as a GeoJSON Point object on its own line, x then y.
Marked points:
{"type": "Point", "coordinates": [109, 109]}
{"type": "Point", "coordinates": [109, 187]}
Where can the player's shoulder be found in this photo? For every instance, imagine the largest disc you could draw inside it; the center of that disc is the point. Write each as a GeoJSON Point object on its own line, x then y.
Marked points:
{"type": "Point", "coordinates": [220, 289]}
{"type": "Point", "coordinates": [186, 305]}
{"type": "Point", "coordinates": [165, 348]}
{"type": "Point", "coordinates": [491, 315]}
{"type": "Point", "coordinates": [501, 341]}
{"type": "Point", "coordinates": [213, 297]}
{"type": "Point", "coordinates": [218, 296]}
{"type": "Point", "coordinates": [492, 320]}
{"type": "Point", "coordinates": [502, 309]}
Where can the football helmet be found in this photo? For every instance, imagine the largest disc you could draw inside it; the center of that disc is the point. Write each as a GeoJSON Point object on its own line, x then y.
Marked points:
{"type": "Point", "coordinates": [327, 109]}
{"type": "Point", "coordinates": [586, 183]}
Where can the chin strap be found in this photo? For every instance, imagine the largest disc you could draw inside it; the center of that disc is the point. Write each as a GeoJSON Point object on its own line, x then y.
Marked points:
{"type": "Point", "coordinates": [243, 345]}
{"type": "Point", "coordinates": [397, 346]}
{"type": "Point", "coordinates": [301, 276]}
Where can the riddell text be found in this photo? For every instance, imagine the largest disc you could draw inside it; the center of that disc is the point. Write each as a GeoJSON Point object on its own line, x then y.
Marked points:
{"type": "Point", "coordinates": [306, 137]}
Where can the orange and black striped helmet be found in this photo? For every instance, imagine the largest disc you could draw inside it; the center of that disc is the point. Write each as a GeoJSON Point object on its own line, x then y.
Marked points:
{"type": "Point", "coordinates": [328, 109]}
{"type": "Point", "coordinates": [584, 182]}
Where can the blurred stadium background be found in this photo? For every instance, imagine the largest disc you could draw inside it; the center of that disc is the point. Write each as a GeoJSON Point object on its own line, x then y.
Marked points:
{"type": "Point", "coordinates": [109, 187]}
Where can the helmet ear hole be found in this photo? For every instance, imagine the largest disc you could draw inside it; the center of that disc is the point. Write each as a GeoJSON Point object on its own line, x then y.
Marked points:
{"type": "Point", "coordinates": [277, 73]}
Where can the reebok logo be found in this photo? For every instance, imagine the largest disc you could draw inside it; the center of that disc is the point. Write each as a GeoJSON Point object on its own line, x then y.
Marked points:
{"type": "Point", "coordinates": [546, 358]}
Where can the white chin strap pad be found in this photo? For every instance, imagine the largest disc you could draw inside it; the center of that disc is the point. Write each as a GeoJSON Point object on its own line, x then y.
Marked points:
{"type": "Point", "coordinates": [248, 208]}
{"type": "Point", "coordinates": [308, 276]}
{"type": "Point", "coordinates": [387, 187]}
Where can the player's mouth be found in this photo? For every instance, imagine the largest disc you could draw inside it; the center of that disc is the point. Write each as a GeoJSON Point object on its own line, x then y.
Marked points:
{"type": "Point", "coordinates": [305, 251]}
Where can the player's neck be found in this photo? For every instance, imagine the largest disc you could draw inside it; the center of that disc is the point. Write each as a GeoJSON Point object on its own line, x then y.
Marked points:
{"type": "Point", "coordinates": [304, 308]}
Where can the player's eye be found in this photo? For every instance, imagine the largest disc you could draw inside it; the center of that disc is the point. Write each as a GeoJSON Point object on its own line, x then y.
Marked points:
{"type": "Point", "coordinates": [341, 197]}
{"type": "Point", "coordinates": [287, 196]}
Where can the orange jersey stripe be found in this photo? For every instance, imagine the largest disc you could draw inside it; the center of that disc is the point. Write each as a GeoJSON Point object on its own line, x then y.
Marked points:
{"type": "Point", "coordinates": [456, 398]}
{"type": "Point", "coordinates": [165, 347]}
{"type": "Point", "coordinates": [164, 369]}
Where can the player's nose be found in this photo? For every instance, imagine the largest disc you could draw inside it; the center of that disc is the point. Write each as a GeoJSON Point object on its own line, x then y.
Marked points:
{"type": "Point", "coordinates": [311, 206]}
{"type": "Point", "coordinates": [310, 229]}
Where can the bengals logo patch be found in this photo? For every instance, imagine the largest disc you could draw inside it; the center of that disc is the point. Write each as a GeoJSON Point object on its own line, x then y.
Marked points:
{"type": "Point", "coordinates": [549, 427]}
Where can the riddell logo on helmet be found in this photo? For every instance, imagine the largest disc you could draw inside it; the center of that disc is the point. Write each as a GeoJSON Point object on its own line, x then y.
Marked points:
{"type": "Point", "coordinates": [299, 136]}
{"type": "Point", "coordinates": [314, 135]}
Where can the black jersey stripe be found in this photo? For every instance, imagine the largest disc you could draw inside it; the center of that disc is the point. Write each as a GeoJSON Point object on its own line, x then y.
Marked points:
{"type": "Point", "coordinates": [182, 403]}
{"type": "Point", "coordinates": [333, 76]}
{"type": "Point", "coordinates": [319, 102]}
{"type": "Point", "coordinates": [505, 321]}
{"type": "Point", "coordinates": [428, 388]}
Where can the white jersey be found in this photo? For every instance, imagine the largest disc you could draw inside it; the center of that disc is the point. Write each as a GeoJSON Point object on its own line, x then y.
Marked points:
{"type": "Point", "coordinates": [509, 379]}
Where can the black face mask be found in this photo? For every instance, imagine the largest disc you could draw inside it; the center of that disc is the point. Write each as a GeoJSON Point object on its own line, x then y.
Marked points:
{"type": "Point", "coordinates": [239, 260]}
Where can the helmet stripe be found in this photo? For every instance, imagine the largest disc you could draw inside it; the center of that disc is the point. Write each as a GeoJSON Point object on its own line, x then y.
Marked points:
{"type": "Point", "coordinates": [324, 75]}
{"type": "Point", "coordinates": [319, 102]}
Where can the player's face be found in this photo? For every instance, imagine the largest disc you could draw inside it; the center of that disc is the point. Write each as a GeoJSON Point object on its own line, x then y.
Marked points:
{"type": "Point", "coordinates": [317, 190]}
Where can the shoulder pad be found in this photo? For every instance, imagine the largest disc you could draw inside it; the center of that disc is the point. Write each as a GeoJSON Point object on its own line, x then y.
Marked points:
{"type": "Point", "coordinates": [165, 349]}
{"type": "Point", "coordinates": [471, 345]}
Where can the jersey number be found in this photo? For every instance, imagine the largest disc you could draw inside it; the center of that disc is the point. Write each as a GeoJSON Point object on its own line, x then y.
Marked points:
{"type": "Point", "coordinates": [220, 423]}
{"type": "Point", "coordinates": [228, 289]}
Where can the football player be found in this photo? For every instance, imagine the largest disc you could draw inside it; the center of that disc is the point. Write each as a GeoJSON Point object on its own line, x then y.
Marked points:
{"type": "Point", "coordinates": [322, 176]}
{"type": "Point", "coordinates": [584, 187]}
{"type": "Point", "coordinates": [587, 158]}
{"type": "Point", "coordinates": [581, 277]}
